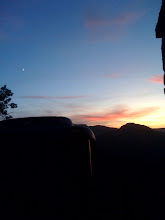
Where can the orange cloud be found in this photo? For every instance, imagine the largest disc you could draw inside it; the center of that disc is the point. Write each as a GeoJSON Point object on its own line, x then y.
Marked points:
{"type": "Point", "coordinates": [156, 79]}
{"type": "Point", "coordinates": [118, 114]}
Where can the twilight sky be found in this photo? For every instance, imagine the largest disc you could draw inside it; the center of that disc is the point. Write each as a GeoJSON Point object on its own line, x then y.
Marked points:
{"type": "Point", "coordinates": [94, 61]}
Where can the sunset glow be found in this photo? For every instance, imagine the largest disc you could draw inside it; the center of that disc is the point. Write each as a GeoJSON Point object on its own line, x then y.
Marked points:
{"type": "Point", "coordinates": [91, 61]}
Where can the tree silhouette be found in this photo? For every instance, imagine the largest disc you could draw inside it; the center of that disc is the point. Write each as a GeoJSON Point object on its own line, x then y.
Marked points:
{"type": "Point", "coordinates": [5, 100]}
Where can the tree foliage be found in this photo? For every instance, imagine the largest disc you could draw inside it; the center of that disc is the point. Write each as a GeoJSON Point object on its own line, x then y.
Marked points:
{"type": "Point", "coordinates": [5, 102]}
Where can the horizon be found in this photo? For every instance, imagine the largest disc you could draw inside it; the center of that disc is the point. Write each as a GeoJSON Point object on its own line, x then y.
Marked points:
{"type": "Point", "coordinates": [93, 62]}
{"type": "Point", "coordinates": [91, 125]}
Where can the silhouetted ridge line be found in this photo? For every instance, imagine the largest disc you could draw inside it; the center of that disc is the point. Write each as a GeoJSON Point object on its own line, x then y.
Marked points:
{"type": "Point", "coordinates": [101, 130]}
{"type": "Point", "coordinates": [160, 130]}
{"type": "Point", "coordinates": [135, 128]}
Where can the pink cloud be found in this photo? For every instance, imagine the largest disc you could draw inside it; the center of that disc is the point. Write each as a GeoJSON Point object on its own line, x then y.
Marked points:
{"type": "Point", "coordinates": [120, 20]}
{"type": "Point", "coordinates": [100, 29]}
{"type": "Point", "coordinates": [156, 79]}
{"type": "Point", "coordinates": [118, 114]}
{"type": "Point", "coordinates": [54, 97]}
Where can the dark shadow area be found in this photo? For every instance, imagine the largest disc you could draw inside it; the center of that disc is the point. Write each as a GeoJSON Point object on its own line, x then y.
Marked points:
{"type": "Point", "coordinates": [45, 168]}
{"type": "Point", "coordinates": [45, 171]}
{"type": "Point", "coordinates": [160, 32]}
{"type": "Point", "coordinates": [130, 173]}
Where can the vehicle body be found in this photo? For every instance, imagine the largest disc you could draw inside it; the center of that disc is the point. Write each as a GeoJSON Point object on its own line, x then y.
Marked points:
{"type": "Point", "coordinates": [46, 167]}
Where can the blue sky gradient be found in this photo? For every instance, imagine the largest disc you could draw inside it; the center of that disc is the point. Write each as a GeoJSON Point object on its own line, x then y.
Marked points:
{"type": "Point", "coordinates": [95, 61]}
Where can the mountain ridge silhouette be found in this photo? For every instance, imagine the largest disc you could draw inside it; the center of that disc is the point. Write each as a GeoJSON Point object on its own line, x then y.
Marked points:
{"type": "Point", "coordinates": [128, 138]}
{"type": "Point", "coordinates": [128, 128]}
{"type": "Point", "coordinates": [129, 182]}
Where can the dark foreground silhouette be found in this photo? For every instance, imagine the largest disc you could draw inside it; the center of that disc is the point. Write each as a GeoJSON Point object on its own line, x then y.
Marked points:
{"type": "Point", "coordinates": [128, 181]}
{"type": "Point", "coordinates": [160, 33]}
{"type": "Point", "coordinates": [130, 173]}
{"type": "Point", "coordinates": [45, 168]}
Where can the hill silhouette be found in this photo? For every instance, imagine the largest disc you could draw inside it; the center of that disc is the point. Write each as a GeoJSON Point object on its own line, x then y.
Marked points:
{"type": "Point", "coordinates": [129, 178]}
{"type": "Point", "coordinates": [129, 136]}
{"type": "Point", "coordinates": [132, 127]}
{"type": "Point", "coordinates": [129, 128]}
{"type": "Point", "coordinates": [101, 130]}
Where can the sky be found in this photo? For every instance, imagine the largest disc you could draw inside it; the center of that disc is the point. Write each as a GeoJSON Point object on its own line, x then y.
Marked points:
{"type": "Point", "coordinates": [94, 61]}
